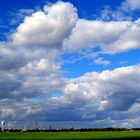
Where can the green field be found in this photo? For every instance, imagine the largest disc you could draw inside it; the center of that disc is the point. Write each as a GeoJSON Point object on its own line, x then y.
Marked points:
{"type": "Point", "coordinates": [69, 135]}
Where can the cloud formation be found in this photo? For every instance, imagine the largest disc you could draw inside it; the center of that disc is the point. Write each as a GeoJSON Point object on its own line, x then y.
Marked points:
{"type": "Point", "coordinates": [48, 27]}
{"type": "Point", "coordinates": [101, 61]}
{"type": "Point", "coordinates": [93, 96]}
{"type": "Point", "coordinates": [102, 95]}
{"type": "Point", "coordinates": [131, 5]}
{"type": "Point", "coordinates": [112, 37]}
{"type": "Point", "coordinates": [125, 11]}
{"type": "Point", "coordinates": [32, 82]}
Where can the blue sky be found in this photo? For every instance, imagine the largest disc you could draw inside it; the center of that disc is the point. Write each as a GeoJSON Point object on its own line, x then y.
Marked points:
{"type": "Point", "coordinates": [70, 60]}
{"type": "Point", "coordinates": [80, 67]}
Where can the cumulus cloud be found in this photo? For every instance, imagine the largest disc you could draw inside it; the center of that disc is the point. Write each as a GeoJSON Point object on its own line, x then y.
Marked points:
{"type": "Point", "coordinates": [34, 72]}
{"type": "Point", "coordinates": [96, 96]}
{"type": "Point", "coordinates": [48, 27]}
{"type": "Point", "coordinates": [105, 93]}
{"type": "Point", "coordinates": [93, 96]}
{"type": "Point", "coordinates": [31, 71]}
{"type": "Point", "coordinates": [111, 37]}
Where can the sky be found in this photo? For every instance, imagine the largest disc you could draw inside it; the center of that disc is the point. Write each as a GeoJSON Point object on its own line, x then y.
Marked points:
{"type": "Point", "coordinates": [70, 63]}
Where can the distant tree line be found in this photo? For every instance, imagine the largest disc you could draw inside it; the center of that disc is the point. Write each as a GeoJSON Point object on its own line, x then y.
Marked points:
{"type": "Point", "coordinates": [72, 130]}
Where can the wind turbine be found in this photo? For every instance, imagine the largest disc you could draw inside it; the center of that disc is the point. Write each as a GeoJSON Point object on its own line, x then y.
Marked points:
{"type": "Point", "coordinates": [2, 126]}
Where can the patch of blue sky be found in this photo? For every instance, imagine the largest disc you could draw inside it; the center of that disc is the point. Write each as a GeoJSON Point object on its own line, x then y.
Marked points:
{"type": "Point", "coordinates": [124, 59]}
{"type": "Point", "coordinates": [79, 66]}
{"type": "Point", "coordinates": [88, 8]}
{"type": "Point", "coordinates": [56, 94]}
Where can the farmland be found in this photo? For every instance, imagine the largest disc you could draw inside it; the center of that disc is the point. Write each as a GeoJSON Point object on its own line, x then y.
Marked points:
{"type": "Point", "coordinates": [69, 135]}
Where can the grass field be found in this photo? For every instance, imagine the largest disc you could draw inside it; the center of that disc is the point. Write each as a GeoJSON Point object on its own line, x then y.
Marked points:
{"type": "Point", "coordinates": [69, 135]}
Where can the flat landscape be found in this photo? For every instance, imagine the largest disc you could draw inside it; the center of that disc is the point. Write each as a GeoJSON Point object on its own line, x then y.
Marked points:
{"type": "Point", "coordinates": [69, 135]}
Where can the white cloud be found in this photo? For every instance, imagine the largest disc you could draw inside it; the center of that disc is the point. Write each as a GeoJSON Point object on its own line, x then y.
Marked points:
{"type": "Point", "coordinates": [42, 77]}
{"type": "Point", "coordinates": [91, 33]}
{"type": "Point", "coordinates": [111, 37]}
{"type": "Point", "coordinates": [121, 13]}
{"type": "Point", "coordinates": [30, 72]}
{"type": "Point", "coordinates": [43, 65]}
{"type": "Point", "coordinates": [125, 11]}
{"type": "Point", "coordinates": [103, 104]}
{"type": "Point", "coordinates": [130, 5]}
{"type": "Point", "coordinates": [47, 28]}
{"type": "Point", "coordinates": [108, 91]}
{"type": "Point", "coordinates": [102, 61]}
